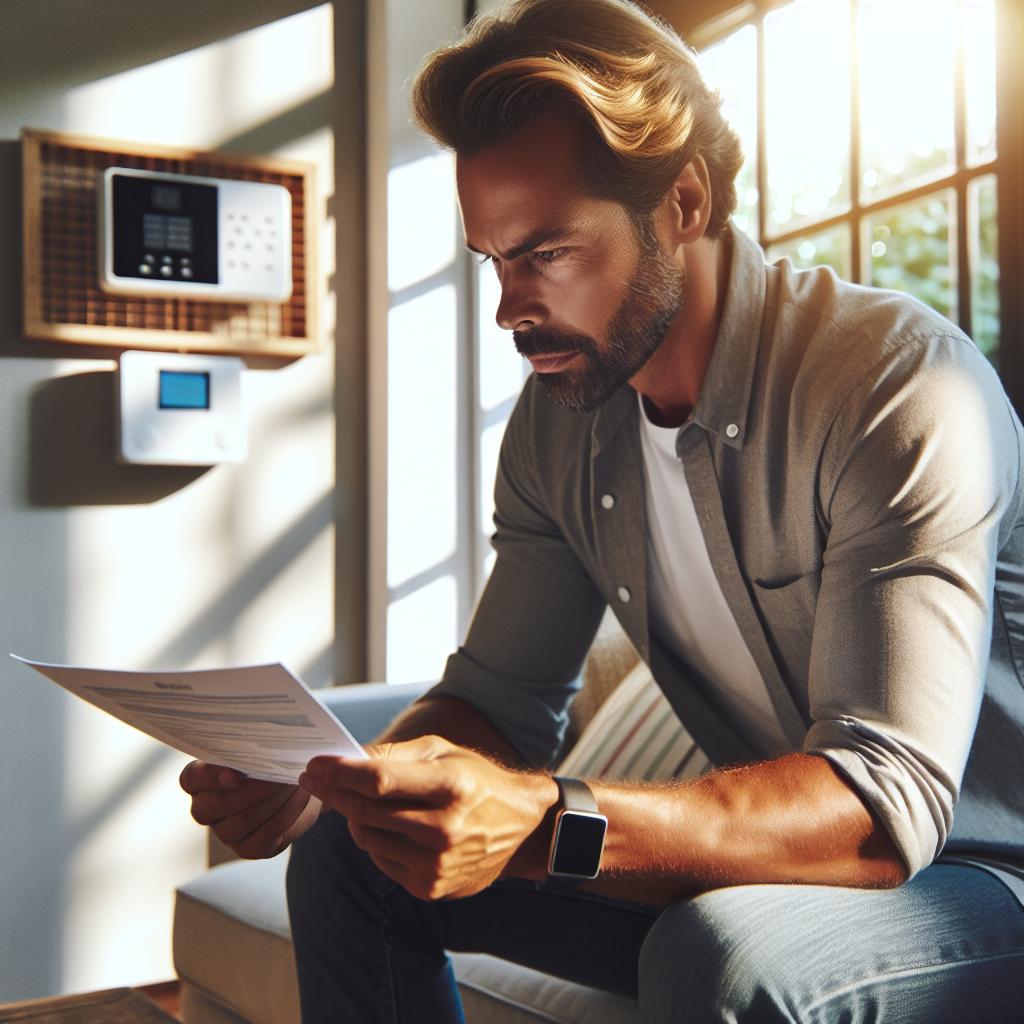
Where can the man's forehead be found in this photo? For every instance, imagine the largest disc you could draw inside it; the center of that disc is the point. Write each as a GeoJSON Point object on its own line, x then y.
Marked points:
{"type": "Point", "coordinates": [522, 188]}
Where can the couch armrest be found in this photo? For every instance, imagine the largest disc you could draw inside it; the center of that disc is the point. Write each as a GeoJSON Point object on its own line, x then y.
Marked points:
{"type": "Point", "coordinates": [366, 708]}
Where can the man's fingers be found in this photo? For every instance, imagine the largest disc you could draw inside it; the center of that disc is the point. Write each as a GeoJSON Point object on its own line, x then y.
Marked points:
{"type": "Point", "coordinates": [198, 776]}
{"type": "Point", "coordinates": [384, 779]}
{"type": "Point", "coordinates": [209, 806]}
{"type": "Point", "coordinates": [244, 823]}
{"type": "Point", "coordinates": [268, 837]}
{"type": "Point", "coordinates": [420, 748]}
{"type": "Point", "coordinates": [415, 820]}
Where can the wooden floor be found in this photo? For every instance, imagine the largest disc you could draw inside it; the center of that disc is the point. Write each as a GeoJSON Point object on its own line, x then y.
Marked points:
{"type": "Point", "coordinates": [166, 994]}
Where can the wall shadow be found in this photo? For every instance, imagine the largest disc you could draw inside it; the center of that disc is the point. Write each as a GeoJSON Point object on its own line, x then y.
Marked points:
{"type": "Point", "coordinates": [71, 449]}
{"type": "Point", "coordinates": [10, 251]}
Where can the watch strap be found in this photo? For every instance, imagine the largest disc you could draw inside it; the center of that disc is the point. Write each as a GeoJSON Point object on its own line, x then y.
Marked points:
{"type": "Point", "coordinates": [574, 795]}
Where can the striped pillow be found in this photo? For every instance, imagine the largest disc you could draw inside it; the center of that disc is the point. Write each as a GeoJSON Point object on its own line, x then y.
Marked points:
{"type": "Point", "coordinates": [635, 734]}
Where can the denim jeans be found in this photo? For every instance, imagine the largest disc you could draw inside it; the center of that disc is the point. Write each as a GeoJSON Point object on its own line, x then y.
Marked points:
{"type": "Point", "coordinates": [946, 947]}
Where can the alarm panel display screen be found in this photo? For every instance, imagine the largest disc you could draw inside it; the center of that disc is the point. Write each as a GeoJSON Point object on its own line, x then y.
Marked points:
{"type": "Point", "coordinates": [184, 390]}
{"type": "Point", "coordinates": [165, 230]}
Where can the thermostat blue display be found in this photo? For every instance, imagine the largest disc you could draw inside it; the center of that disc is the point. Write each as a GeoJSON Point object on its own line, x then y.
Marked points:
{"type": "Point", "coordinates": [180, 409]}
{"type": "Point", "coordinates": [184, 390]}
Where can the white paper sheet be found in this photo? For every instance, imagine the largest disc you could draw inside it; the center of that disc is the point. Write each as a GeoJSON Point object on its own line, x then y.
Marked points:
{"type": "Point", "coordinates": [260, 720]}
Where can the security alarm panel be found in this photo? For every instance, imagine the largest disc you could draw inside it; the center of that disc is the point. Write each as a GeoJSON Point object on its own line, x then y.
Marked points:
{"type": "Point", "coordinates": [180, 410]}
{"type": "Point", "coordinates": [185, 236]}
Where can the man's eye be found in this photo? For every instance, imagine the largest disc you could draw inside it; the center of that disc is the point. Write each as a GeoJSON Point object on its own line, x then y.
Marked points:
{"type": "Point", "coordinates": [547, 255]}
{"type": "Point", "coordinates": [485, 259]}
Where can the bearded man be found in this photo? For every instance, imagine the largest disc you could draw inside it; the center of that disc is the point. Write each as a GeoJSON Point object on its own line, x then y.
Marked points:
{"type": "Point", "coordinates": [801, 498]}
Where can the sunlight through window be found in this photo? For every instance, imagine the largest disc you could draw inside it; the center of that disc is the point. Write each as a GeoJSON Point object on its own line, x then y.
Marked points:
{"type": "Point", "coordinates": [422, 511]}
{"type": "Point", "coordinates": [807, 98]}
{"type": "Point", "coordinates": [422, 632]}
{"type": "Point", "coordinates": [421, 220]}
{"type": "Point", "coordinates": [861, 113]}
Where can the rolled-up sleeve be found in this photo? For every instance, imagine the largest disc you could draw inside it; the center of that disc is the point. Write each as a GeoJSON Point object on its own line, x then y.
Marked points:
{"type": "Point", "coordinates": [919, 474]}
{"type": "Point", "coordinates": [538, 614]}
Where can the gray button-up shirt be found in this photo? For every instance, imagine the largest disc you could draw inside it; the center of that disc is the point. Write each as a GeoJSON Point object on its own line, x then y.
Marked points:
{"type": "Point", "coordinates": [856, 470]}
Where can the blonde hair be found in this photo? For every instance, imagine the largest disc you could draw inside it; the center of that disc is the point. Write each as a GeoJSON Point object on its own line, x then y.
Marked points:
{"type": "Point", "coordinates": [634, 83]}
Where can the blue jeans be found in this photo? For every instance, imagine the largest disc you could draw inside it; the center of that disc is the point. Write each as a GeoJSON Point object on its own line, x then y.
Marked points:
{"type": "Point", "coordinates": [946, 947]}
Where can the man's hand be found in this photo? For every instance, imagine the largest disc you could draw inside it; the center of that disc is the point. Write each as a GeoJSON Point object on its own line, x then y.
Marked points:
{"type": "Point", "coordinates": [441, 820]}
{"type": "Point", "coordinates": [255, 819]}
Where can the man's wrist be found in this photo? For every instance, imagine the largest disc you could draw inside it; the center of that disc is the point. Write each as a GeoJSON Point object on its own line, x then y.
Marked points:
{"type": "Point", "coordinates": [530, 861]}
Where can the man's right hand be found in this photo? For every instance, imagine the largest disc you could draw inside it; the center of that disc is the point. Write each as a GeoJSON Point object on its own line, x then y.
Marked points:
{"type": "Point", "coordinates": [254, 818]}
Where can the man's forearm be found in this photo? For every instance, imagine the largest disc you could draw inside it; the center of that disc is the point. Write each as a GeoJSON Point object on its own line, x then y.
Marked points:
{"type": "Point", "coordinates": [456, 721]}
{"type": "Point", "coordinates": [790, 820]}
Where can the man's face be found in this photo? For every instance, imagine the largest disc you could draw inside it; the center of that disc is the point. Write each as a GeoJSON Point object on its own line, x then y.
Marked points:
{"type": "Point", "coordinates": [588, 294]}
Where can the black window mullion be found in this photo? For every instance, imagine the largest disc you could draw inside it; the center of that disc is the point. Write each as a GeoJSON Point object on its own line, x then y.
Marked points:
{"type": "Point", "coordinates": [1010, 197]}
{"type": "Point", "coordinates": [963, 258]}
{"type": "Point", "coordinates": [762, 125]}
{"type": "Point", "coordinates": [856, 217]}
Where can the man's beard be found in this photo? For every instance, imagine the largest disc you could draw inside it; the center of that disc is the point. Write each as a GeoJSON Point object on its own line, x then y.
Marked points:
{"type": "Point", "coordinates": [635, 332]}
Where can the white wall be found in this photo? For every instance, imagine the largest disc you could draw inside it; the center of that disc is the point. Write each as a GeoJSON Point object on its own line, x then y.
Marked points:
{"type": "Point", "coordinates": [145, 567]}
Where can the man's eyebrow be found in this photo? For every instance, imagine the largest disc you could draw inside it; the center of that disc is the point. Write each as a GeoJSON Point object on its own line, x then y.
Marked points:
{"type": "Point", "coordinates": [542, 237]}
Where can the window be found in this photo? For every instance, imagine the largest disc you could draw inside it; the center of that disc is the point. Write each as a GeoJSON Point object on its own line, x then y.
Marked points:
{"type": "Point", "coordinates": [870, 133]}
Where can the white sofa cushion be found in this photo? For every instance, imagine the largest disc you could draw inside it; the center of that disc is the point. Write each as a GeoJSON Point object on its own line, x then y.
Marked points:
{"type": "Point", "coordinates": [228, 920]}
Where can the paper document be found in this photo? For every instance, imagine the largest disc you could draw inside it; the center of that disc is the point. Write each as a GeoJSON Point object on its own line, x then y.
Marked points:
{"type": "Point", "coordinates": [260, 720]}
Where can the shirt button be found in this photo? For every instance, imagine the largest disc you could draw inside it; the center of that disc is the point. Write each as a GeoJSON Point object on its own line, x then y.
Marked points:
{"type": "Point", "coordinates": [607, 501]}
{"type": "Point", "coordinates": [732, 430]}
{"type": "Point", "coordinates": [624, 595]}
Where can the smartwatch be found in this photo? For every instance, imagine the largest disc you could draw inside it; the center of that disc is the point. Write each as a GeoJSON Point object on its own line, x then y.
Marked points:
{"type": "Point", "coordinates": [578, 838]}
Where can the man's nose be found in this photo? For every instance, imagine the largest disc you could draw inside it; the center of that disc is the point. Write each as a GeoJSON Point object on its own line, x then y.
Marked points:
{"type": "Point", "coordinates": [520, 308]}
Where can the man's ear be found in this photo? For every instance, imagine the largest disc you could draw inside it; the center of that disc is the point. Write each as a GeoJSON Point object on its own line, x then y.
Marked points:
{"type": "Point", "coordinates": [689, 202]}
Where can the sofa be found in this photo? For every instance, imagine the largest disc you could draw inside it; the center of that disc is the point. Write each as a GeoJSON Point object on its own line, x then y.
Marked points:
{"type": "Point", "coordinates": [231, 941]}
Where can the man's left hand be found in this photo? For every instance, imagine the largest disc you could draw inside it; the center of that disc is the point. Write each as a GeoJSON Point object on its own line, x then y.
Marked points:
{"type": "Point", "coordinates": [441, 820]}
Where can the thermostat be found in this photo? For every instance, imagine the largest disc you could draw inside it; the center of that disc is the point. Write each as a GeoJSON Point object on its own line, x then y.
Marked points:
{"type": "Point", "coordinates": [180, 410]}
{"type": "Point", "coordinates": [185, 236]}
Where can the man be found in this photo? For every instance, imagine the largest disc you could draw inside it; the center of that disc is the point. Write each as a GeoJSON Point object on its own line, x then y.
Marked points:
{"type": "Point", "coordinates": [802, 500]}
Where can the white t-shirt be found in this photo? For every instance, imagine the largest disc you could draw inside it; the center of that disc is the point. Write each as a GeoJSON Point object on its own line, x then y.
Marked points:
{"type": "Point", "coordinates": [687, 608]}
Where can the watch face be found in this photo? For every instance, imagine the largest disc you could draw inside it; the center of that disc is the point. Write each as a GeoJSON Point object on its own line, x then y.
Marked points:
{"type": "Point", "coordinates": [579, 840]}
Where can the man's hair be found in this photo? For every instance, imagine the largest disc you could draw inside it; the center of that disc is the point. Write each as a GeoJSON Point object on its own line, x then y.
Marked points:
{"type": "Point", "coordinates": [630, 79]}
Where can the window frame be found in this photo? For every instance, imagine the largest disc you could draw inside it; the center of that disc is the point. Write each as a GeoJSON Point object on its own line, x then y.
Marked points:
{"type": "Point", "coordinates": [1007, 168]}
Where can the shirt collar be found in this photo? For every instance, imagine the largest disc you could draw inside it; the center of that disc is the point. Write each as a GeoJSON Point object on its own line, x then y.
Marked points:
{"type": "Point", "coordinates": [724, 399]}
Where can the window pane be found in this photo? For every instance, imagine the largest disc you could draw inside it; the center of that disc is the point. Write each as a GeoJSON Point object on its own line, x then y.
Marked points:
{"type": "Point", "coordinates": [422, 220]}
{"type": "Point", "coordinates": [906, 80]}
{"type": "Point", "coordinates": [422, 402]}
{"type": "Point", "coordinates": [984, 253]}
{"type": "Point", "coordinates": [422, 632]}
{"type": "Point", "coordinates": [807, 97]}
{"type": "Point", "coordinates": [502, 368]}
{"type": "Point", "coordinates": [980, 79]}
{"type": "Point", "coordinates": [831, 248]}
{"type": "Point", "coordinates": [912, 249]}
{"type": "Point", "coordinates": [490, 448]}
{"type": "Point", "coordinates": [731, 67]}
